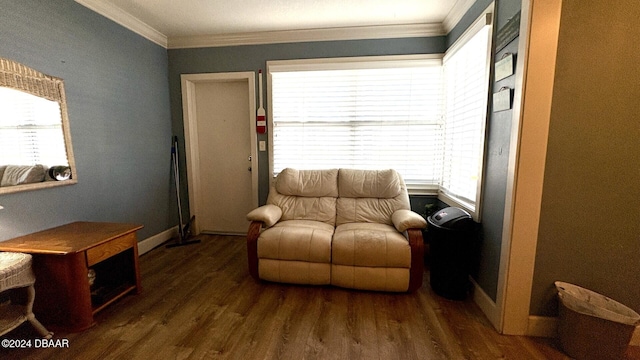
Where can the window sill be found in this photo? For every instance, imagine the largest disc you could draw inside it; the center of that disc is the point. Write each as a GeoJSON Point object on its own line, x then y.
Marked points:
{"type": "Point", "coordinates": [422, 190]}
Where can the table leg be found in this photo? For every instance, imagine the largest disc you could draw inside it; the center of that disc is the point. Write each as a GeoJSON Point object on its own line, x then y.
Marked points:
{"type": "Point", "coordinates": [64, 296]}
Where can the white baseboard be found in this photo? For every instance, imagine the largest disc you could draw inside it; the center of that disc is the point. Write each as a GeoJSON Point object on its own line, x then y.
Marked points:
{"type": "Point", "coordinates": [149, 243]}
{"type": "Point", "coordinates": [487, 305]}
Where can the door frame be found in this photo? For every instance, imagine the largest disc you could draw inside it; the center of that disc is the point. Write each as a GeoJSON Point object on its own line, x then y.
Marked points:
{"type": "Point", "coordinates": [190, 121]}
{"type": "Point", "coordinates": [528, 173]}
{"type": "Point", "coordinates": [539, 31]}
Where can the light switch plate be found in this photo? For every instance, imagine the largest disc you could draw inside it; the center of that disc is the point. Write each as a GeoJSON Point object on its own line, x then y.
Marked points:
{"type": "Point", "coordinates": [263, 145]}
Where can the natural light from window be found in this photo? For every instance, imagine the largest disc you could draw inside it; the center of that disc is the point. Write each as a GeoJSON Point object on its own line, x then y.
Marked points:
{"type": "Point", "coordinates": [360, 118]}
{"type": "Point", "coordinates": [466, 91]}
{"type": "Point", "coordinates": [30, 130]}
{"type": "Point", "coordinates": [421, 115]}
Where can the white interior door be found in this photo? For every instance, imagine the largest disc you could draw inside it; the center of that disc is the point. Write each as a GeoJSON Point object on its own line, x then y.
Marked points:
{"type": "Point", "coordinates": [221, 160]}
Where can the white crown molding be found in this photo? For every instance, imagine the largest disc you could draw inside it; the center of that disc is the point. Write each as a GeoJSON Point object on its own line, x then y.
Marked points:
{"type": "Point", "coordinates": [132, 23]}
{"type": "Point", "coordinates": [125, 19]}
{"type": "Point", "coordinates": [457, 12]}
{"type": "Point", "coordinates": [291, 36]}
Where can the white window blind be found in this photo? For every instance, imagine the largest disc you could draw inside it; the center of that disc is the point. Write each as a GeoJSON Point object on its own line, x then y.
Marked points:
{"type": "Point", "coordinates": [362, 116]}
{"type": "Point", "coordinates": [466, 74]}
{"type": "Point", "coordinates": [29, 133]}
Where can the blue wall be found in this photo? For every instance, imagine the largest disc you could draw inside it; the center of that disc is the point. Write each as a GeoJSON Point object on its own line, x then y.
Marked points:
{"type": "Point", "coordinates": [118, 100]}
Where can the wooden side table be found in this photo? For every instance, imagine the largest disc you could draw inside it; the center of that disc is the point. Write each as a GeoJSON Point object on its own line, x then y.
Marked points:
{"type": "Point", "coordinates": [62, 260]}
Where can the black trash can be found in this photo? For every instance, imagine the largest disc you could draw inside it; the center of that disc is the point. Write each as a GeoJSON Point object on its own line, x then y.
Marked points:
{"type": "Point", "coordinates": [450, 234]}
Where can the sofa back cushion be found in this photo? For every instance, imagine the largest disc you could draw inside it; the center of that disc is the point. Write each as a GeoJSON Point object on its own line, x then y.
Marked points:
{"type": "Point", "coordinates": [308, 183]}
{"type": "Point", "coordinates": [381, 184]}
{"type": "Point", "coordinates": [370, 196]}
{"type": "Point", "coordinates": [306, 195]}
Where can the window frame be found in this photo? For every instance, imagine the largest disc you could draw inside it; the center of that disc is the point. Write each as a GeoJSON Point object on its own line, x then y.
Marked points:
{"type": "Point", "coordinates": [33, 119]}
{"type": "Point", "coordinates": [17, 76]}
{"type": "Point", "coordinates": [486, 19]}
{"type": "Point", "coordinates": [361, 62]}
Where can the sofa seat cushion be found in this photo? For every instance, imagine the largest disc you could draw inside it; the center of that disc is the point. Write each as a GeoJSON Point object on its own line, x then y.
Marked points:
{"type": "Point", "coordinates": [370, 278]}
{"type": "Point", "coordinates": [297, 240]}
{"type": "Point", "coordinates": [295, 272]}
{"type": "Point", "coordinates": [370, 245]}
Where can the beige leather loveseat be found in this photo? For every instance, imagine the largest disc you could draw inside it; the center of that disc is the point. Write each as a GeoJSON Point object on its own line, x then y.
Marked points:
{"type": "Point", "coordinates": [344, 227]}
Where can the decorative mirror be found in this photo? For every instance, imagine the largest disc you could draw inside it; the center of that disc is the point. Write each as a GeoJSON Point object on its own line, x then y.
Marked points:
{"type": "Point", "coordinates": [35, 141]}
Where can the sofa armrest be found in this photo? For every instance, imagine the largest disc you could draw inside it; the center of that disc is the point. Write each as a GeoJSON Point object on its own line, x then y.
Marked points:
{"type": "Point", "coordinates": [417, 259]}
{"type": "Point", "coordinates": [410, 223]}
{"type": "Point", "coordinates": [252, 247]}
{"type": "Point", "coordinates": [267, 214]}
{"type": "Point", "coordinates": [407, 219]}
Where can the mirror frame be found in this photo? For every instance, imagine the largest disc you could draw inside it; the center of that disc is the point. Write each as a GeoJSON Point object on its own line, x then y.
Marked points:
{"type": "Point", "coordinates": [17, 76]}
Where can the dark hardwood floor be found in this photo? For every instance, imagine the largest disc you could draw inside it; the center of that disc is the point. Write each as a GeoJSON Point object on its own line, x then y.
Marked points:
{"type": "Point", "coordinates": [199, 302]}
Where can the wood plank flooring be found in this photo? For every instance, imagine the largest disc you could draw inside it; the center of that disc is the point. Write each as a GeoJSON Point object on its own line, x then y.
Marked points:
{"type": "Point", "coordinates": [199, 302]}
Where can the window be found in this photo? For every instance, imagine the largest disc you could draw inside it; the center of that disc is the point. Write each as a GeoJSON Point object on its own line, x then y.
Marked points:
{"type": "Point", "coordinates": [423, 116]}
{"type": "Point", "coordinates": [31, 130]}
{"type": "Point", "coordinates": [466, 87]}
{"type": "Point", "coordinates": [34, 125]}
{"type": "Point", "coordinates": [359, 113]}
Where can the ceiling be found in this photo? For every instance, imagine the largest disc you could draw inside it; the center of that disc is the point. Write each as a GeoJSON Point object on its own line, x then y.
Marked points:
{"type": "Point", "coordinates": [173, 23]}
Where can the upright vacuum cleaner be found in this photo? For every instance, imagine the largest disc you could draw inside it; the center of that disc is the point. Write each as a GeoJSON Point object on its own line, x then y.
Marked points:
{"type": "Point", "coordinates": [184, 231]}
